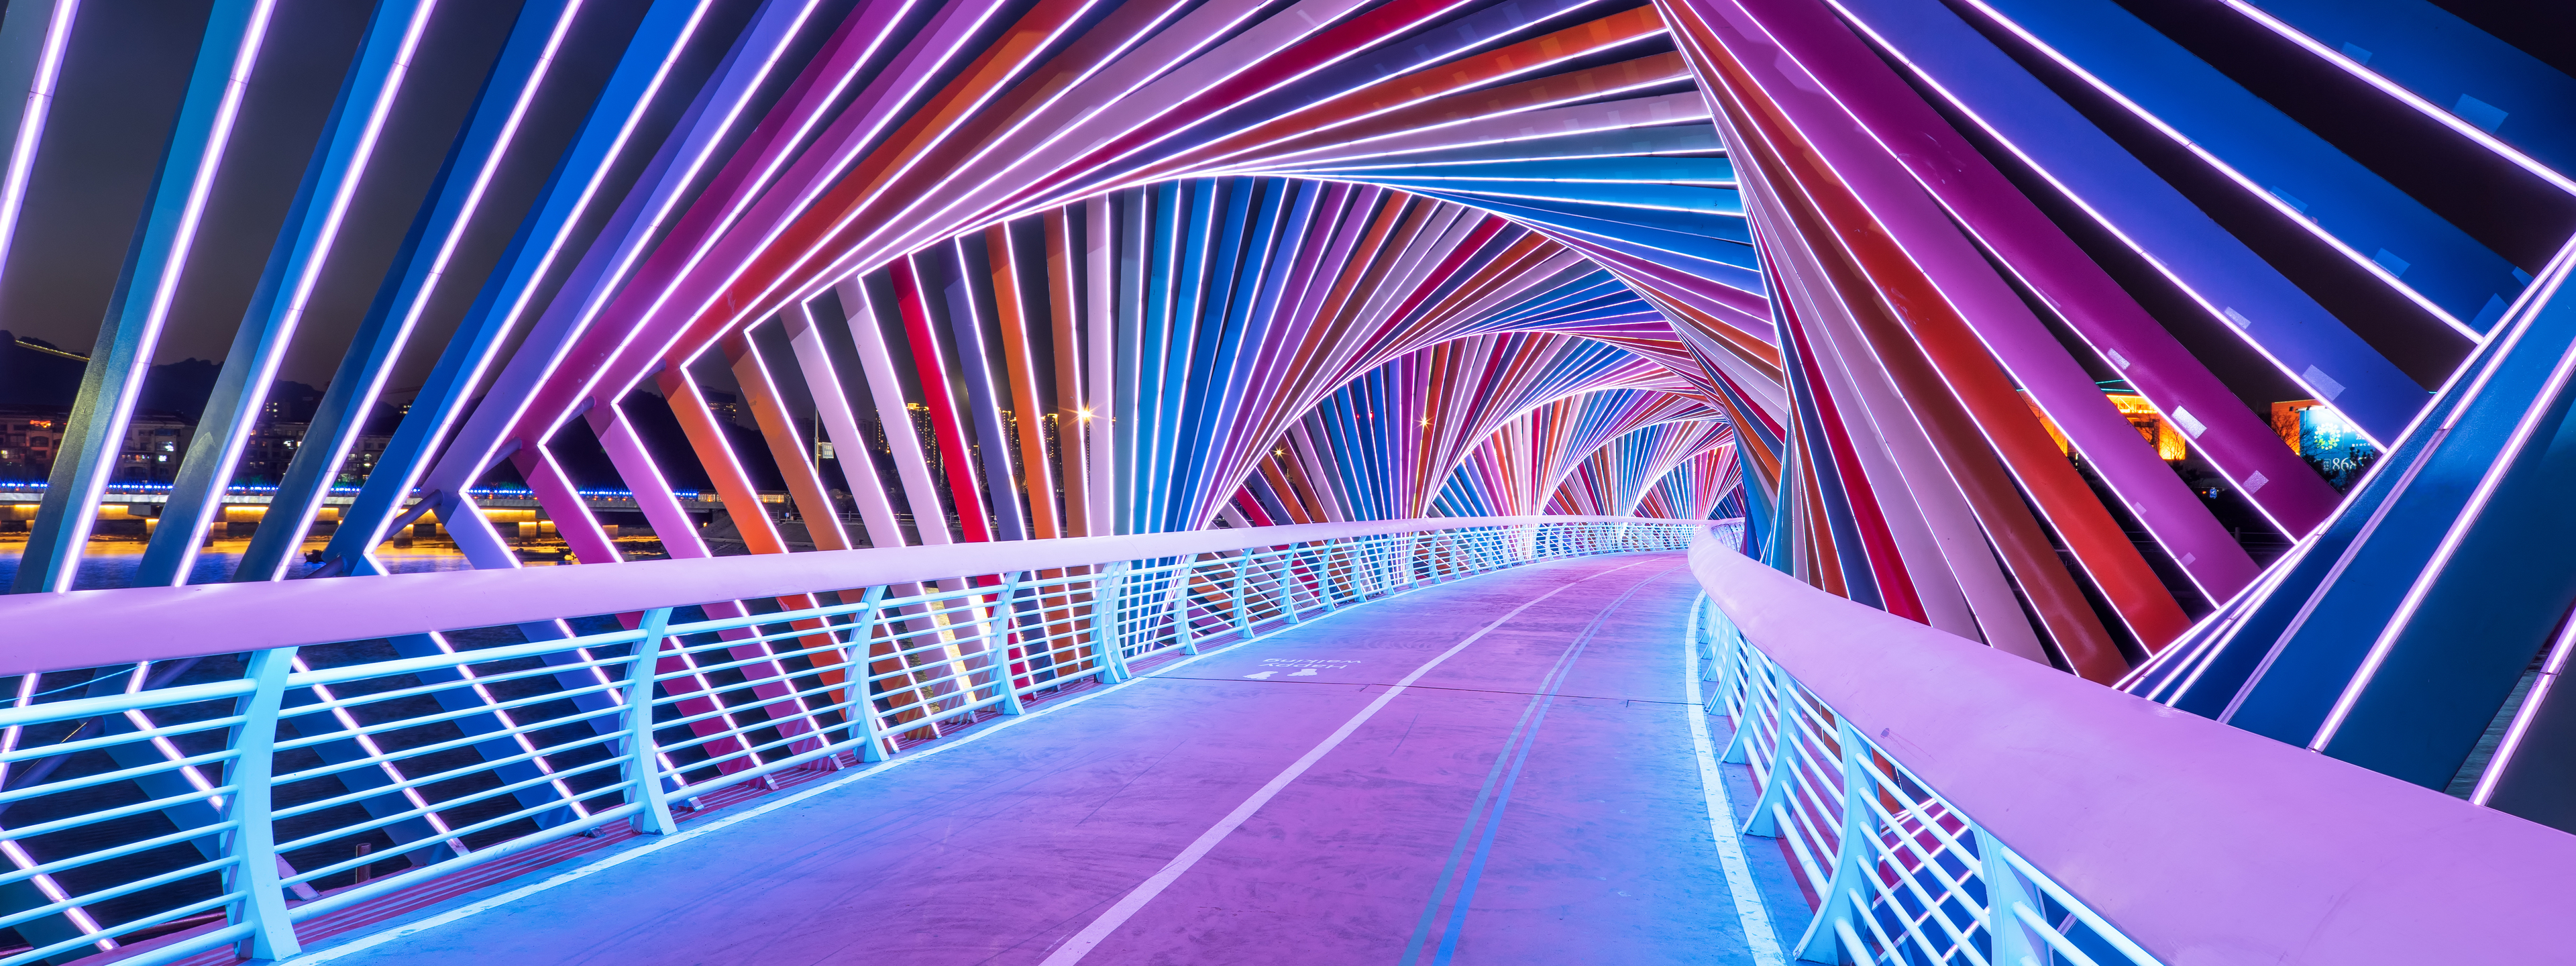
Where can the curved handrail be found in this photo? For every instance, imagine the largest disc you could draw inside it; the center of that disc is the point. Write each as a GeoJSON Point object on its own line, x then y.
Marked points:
{"type": "Point", "coordinates": [95, 628]}
{"type": "Point", "coordinates": [2203, 843]}
{"type": "Point", "coordinates": [625, 705]}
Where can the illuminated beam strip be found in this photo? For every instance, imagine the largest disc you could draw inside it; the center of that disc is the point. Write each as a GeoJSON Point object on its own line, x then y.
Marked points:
{"type": "Point", "coordinates": [31, 53]}
{"type": "Point", "coordinates": [1972, 372]}
{"type": "Point", "coordinates": [2290, 147]}
{"type": "Point", "coordinates": [96, 434]}
{"type": "Point", "coordinates": [2239, 445]}
{"type": "Point", "coordinates": [983, 399]}
{"type": "Point", "coordinates": [1278, 50]}
{"type": "Point", "coordinates": [1436, 76]}
{"type": "Point", "coordinates": [583, 302]}
{"type": "Point", "coordinates": [419, 266]}
{"type": "Point", "coordinates": [638, 331]}
{"type": "Point", "coordinates": [632, 321]}
{"type": "Point", "coordinates": [575, 182]}
{"type": "Point", "coordinates": [1200, 76]}
{"type": "Point", "coordinates": [1038, 474]}
{"type": "Point", "coordinates": [930, 366]}
{"type": "Point", "coordinates": [2145, 213]}
{"type": "Point", "coordinates": [303, 247]}
{"type": "Point", "coordinates": [1530, 123]}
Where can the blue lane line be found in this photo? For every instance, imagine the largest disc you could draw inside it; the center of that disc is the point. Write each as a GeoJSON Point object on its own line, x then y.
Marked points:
{"type": "Point", "coordinates": [1498, 787]}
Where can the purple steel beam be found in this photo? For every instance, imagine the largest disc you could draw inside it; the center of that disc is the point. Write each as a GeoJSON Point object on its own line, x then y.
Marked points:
{"type": "Point", "coordinates": [2136, 345]}
{"type": "Point", "coordinates": [1941, 160]}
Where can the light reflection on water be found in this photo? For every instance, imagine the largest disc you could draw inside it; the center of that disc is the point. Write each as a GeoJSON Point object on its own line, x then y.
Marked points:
{"type": "Point", "coordinates": [114, 563]}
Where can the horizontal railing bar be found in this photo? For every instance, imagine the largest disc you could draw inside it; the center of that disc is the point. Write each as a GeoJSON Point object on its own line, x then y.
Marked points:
{"type": "Point", "coordinates": [26, 832]}
{"type": "Point", "coordinates": [34, 752]}
{"type": "Point", "coordinates": [422, 781]}
{"type": "Point", "coordinates": [121, 774]}
{"type": "Point", "coordinates": [417, 781]}
{"type": "Point", "coordinates": [382, 727]}
{"type": "Point", "coordinates": [118, 703]}
{"type": "Point", "coordinates": [435, 662]}
{"type": "Point", "coordinates": [132, 624]}
{"type": "Point", "coordinates": [395, 883]}
{"type": "Point", "coordinates": [123, 888]}
{"type": "Point", "coordinates": [181, 950]}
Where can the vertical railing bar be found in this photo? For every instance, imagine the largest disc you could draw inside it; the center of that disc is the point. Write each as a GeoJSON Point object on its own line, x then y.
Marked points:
{"type": "Point", "coordinates": [1108, 637]}
{"type": "Point", "coordinates": [998, 628]}
{"type": "Point", "coordinates": [643, 756]}
{"type": "Point", "coordinates": [1242, 579]}
{"type": "Point", "coordinates": [859, 703]}
{"type": "Point", "coordinates": [253, 845]}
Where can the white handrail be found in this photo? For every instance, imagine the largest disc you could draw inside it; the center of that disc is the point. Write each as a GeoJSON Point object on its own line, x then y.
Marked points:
{"type": "Point", "coordinates": [2145, 831]}
{"type": "Point", "coordinates": [96, 628]}
{"type": "Point", "coordinates": [878, 652]}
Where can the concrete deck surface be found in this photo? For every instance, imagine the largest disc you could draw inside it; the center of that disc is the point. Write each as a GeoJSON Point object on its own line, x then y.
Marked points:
{"type": "Point", "coordinates": [1534, 798]}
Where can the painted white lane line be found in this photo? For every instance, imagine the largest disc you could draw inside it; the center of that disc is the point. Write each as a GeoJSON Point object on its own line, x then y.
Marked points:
{"type": "Point", "coordinates": [1126, 908]}
{"type": "Point", "coordinates": [1760, 938]}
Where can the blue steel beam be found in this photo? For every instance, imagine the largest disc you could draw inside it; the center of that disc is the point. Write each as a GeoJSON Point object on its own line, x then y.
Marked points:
{"type": "Point", "coordinates": [295, 263]}
{"type": "Point", "coordinates": [419, 266]}
{"type": "Point", "coordinates": [2381, 228]}
{"type": "Point", "coordinates": [666, 28]}
{"type": "Point", "coordinates": [144, 290]}
{"type": "Point", "coordinates": [2226, 278]}
{"type": "Point", "coordinates": [32, 39]}
{"type": "Point", "coordinates": [2450, 583]}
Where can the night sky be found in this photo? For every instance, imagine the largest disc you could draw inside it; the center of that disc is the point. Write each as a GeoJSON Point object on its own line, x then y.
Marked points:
{"type": "Point", "coordinates": [119, 96]}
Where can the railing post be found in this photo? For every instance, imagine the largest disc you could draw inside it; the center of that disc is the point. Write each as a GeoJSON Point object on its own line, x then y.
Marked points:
{"type": "Point", "coordinates": [1762, 819]}
{"type": "Point", "coordinates": [2004, 890]}
{"type": "Point", "coordinates": [1242, 583]}
{"type": "Point", "coordinates": [1324, 580]}
{"type": "Point", "coordinates": [997, 655]}
{"type": "Point", "coordinates": [859, 704]}
{"type": "Point", "coordinates": [1741, 712]}
{"type": "Point", "coordinates": [643, 755]}
{"type": "Point", "coordinates": [1108, 643]}
{"type": "Point", "coordinates": [1723, 647]}
{"type": "Point", "coordinates": [1288, 584]}
{"type": "Point", "coordinates": [253, 842]}
{"type": "Point", "coordinates": [1854, 854]}
{"type": "Point", "coordinates": [1181, 575]}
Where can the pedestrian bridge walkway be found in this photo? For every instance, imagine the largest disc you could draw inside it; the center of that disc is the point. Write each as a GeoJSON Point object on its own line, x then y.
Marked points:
{"type": "Point", "coordinates": [1484, 740]}
{"type": "Point", "coordinates": [1498, 770]}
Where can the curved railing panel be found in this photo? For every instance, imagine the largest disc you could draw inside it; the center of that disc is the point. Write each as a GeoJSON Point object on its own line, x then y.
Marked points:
{"type": "Point", "coordinates": [389, 731]}
{"type": "Point", "coordinates": [2133, 832]}
{"type": "Point", "coordinates": [90, 628]}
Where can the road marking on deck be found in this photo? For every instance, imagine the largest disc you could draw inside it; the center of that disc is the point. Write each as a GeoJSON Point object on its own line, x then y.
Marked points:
{"type": "Point", "coordinates": [760, 807]}
{"type": "Point", "coordinates": [1134, 901]}
{"type": "Point", "coordinates": [1760, 938]}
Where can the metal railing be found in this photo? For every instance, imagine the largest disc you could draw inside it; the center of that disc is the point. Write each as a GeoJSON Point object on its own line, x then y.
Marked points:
{"type": "Point", "coordinates": [1902, 875]}
{"type": "Point", "coordinates": [1945, 802]}
{"type": "Point", "coordinates": [239, 794]}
